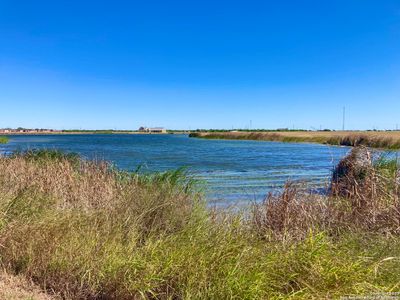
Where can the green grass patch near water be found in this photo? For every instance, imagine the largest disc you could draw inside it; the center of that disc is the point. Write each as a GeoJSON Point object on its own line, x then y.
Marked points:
{"type": "Point", "coordinates": [4, 139]}
{"type": "Point", "coordinates": [86, 230]}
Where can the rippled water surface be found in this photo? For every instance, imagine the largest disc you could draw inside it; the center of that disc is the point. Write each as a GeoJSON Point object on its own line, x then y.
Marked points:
{"type": "Point", "coordinates": [233, 170]}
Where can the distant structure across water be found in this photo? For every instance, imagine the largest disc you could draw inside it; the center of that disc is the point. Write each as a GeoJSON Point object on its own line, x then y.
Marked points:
{"type": "Point", "coordinates": [153, 130]}
{"type": "Point", "coordinates": [27, 130]}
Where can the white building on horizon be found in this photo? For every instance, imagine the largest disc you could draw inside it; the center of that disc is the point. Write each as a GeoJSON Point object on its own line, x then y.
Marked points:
{"type": "Point", "coordinates": [153, 129]}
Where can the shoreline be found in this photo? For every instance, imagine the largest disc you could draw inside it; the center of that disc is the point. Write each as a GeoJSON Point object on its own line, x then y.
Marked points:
{"type": "Point", "coordinates": [87, 132]}
{"type": "Point", "coordinates": [373, 139]}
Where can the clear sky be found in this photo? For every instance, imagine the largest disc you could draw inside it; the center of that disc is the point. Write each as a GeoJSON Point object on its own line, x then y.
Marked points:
{"type": "Point", "coordinates": [200, 64]}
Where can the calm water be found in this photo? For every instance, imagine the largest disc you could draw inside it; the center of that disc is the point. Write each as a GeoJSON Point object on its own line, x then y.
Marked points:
{"type": "Point", "coordinates": [233, 170]}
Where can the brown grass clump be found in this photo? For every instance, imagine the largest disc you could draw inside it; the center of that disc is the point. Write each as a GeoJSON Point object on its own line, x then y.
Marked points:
{"type": "Point", "coordinates": [69, 183]}
{"type": "Point", "coordinates": [55, 207]}
{"type": "Point", "coordinates": [19, 288]}
{"type": "Point", "coordinates": [364, 195]}
{"type": "Point", "coordinates": [289, 214]}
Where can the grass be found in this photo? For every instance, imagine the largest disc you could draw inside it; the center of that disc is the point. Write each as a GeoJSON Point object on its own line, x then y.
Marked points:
{"type": "Point", "coordinates": [19, 288]}
{"type": "Point", "coordinates": [86, 230]}
{"type": "Point", "coordinates": [3, 139]}
{"type": "Point", "coordinates": [374, 139]}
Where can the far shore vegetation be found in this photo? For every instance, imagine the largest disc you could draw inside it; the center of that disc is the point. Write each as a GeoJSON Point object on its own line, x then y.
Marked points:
{"type": "Point", "coordinates": [30, 131]}
{"type": "Point", "coordinates": [3, 139]}
{"type": "Point", "coordinates": [374, 139]}
{"type": "Point", "coordinates": [86, 230]}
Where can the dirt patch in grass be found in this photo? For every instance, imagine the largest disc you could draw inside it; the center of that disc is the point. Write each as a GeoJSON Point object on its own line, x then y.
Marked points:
{"type": "Point", "coordinates": [19, 288]}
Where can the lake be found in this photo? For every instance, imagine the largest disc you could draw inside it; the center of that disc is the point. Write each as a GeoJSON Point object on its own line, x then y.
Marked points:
{"type": "Point", "coordinates": [233, 171]}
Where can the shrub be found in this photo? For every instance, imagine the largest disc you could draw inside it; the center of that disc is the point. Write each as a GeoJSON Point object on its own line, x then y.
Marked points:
{"type": "Point", "coordinates": [3, 139]}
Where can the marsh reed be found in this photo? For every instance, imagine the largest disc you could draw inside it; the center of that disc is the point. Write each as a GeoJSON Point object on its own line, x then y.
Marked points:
{"type": "Point", "coordinates": [373, 139]}
{"type": "Point", "coordinates": [86, 230]}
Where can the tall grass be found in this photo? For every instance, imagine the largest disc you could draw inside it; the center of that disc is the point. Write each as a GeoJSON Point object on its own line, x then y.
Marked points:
{"type": "Point", "coordinates": [89, 231]}
{"type": "Point", "coordinates": [3, 139]}
{"type": "Point", "coordinates": [385, 140]}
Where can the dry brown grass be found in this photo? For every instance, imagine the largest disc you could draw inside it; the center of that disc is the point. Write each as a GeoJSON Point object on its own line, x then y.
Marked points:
{"type": "Point", "coordinates": [376, 139]}
{"type": "Point", "coordinates": [88, 231]}
{"type": "Point", "coordinates": [365, 198]}
{"type": "Point", "coordinates": [53, 203]}
{"type": "Point", "coordinates": [73, 184]}
{"type": "Point", "coordinates": [19, 288]}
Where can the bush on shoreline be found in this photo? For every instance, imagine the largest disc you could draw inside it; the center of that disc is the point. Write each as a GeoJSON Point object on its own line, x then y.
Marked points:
{"type": "Point", "coordinates": [3, 139]}
{"type": "Point", "coordinates": [86, 230]}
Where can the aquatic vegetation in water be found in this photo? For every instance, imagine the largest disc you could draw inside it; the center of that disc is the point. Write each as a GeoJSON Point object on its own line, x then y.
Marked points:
{"type": "Point", "coordinates": [3, 139]}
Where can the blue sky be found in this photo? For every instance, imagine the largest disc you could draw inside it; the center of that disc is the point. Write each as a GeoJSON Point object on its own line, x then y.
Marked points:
{"type": "Point", "coordinates": [200, 64]}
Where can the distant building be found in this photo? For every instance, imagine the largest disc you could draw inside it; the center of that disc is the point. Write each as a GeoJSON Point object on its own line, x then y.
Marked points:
{"type": "Point", "coordinates": [153, 130]}
{"type": "Point", "coordinates": [26, 130]}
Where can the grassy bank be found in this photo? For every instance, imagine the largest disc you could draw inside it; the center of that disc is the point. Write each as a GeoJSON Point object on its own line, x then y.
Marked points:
{"type": "Point", "coordinates": [86, 230]}
{"type": "Point", "coordinates": [375, 139]}
{"type": "Point", "coordinates": [3, 139]}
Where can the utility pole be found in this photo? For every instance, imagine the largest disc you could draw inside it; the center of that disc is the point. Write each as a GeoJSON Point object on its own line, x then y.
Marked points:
{"type": "Point", "coordinates": [344, 117]}
{"type": "Point", "coordinates": [251, 124]}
